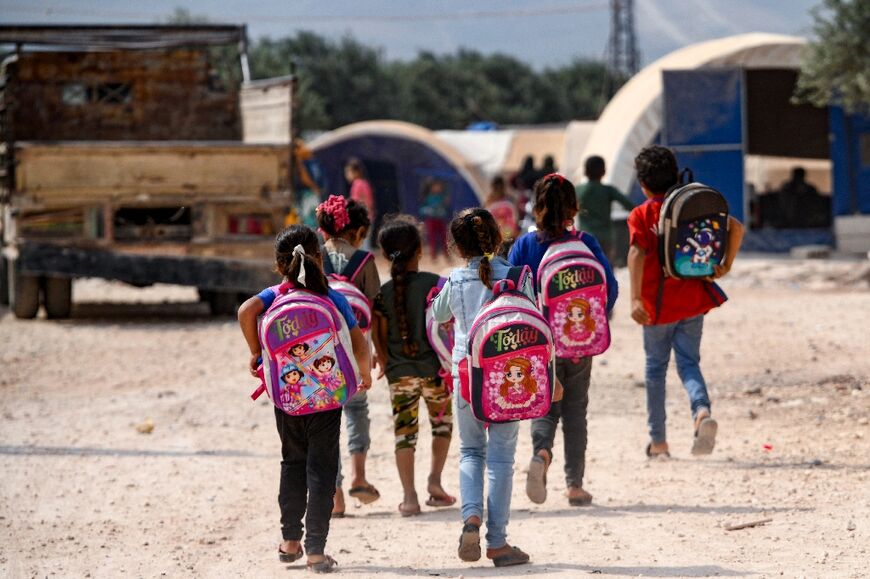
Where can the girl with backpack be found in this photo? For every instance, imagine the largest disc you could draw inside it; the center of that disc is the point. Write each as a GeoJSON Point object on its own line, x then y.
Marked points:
{"type": "Point", "coordinates": [410, 363]}
{"type": "Point", "coordinates": [309, 442]}
{"type": "Point", "coordinates": [476, 236]}
{"type": "Point", "coordinates": [555, 208]}
{"type": "Point", "coordinates": [345, 224]}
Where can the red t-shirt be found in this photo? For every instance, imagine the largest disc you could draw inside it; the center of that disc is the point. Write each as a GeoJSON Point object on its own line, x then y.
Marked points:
{"type": "Point", "coordinates": [681, 298]}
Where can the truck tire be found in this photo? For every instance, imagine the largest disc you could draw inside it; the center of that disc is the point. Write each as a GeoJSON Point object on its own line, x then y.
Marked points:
{"type": "Point", "coordinates": [223, 303]}
{"type": "Point", "coordinates": [4, 282]}
{"type": "Point", "coordinates": [57, 294]}
{"type": "Point", "coordinates": [23, 294]}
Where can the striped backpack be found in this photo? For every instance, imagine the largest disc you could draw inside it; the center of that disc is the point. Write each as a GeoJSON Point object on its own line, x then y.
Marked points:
{"type": "Point", "coordinates": [440, 337]}
{"type": "Point", "coordinates": [572, 293]}
{"type": "Point", "coordinates": [343, 283]}
{"type": "Point", "coordinates": [308, 364]}
{"type": "Point", "coordinates": [508, 373]}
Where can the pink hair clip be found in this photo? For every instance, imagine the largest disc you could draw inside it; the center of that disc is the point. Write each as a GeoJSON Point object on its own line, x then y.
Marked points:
{"type": "Point", "coordinates": [336, 207]}
{"type": "Point", "coordinates": [556, 176]}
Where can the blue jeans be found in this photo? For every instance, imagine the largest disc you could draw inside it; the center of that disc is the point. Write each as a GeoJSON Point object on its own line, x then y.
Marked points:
{"type": "Point", "coordinates": [685, 339]}
{"type": "Point", "coordinates": [356, 412]}
{"type": "Point", "coordinates": [493, 447]}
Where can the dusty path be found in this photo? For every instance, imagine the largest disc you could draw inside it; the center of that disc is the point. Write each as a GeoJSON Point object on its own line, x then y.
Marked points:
{"type": "Point", "coordinates": [83, 494]}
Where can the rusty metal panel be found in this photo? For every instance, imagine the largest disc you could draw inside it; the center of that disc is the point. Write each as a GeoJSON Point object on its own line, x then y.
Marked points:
{"type": "Point", "coordinates": [119, 95]}
{"type": "Point", "coordinates": [61, 174]}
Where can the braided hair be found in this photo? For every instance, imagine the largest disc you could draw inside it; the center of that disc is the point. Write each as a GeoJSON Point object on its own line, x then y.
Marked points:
{"type": "Point", "coordinates": [475, 232]}
{"type": "Point", "coordinates": [289, 263]}
{"type": "Point", "coordinates": [555, 204]}
{"type": "Point", "coordinates": [400, 241]}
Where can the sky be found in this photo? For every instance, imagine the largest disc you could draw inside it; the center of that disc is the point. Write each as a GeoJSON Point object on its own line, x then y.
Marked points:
{"type": "Point", "coordinates": [543, 33]}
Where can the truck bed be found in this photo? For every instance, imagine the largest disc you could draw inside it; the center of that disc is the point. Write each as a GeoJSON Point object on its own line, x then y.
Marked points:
{"type": "Point", "coordinates": [50, 174]}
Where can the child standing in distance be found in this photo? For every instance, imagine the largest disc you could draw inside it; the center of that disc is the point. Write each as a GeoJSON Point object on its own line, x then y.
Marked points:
{"type": "Point", "coordinates": [309, 443]}
{"type": "Point", "coordinates": [410, 364]}
{"type": "Point", "coordinates": [671, 310]}
{"type": "Point", "coordinates": [345, 224]}
{"type": "Point", "coordinates": [554, 210]}
{"type": "Point", "coordinates": [435, 212]}
{"type": "Point", "coordinates": [475, 235]}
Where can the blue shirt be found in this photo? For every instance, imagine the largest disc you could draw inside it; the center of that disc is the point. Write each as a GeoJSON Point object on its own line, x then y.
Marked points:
{"type": "Point", "coordinates": [267, 296]}
{"type": "Point", "coordinates": [530, 249]}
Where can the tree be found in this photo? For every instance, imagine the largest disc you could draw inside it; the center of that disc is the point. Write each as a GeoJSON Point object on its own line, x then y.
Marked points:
{"type": "Point", "coordinates": [837, 67]}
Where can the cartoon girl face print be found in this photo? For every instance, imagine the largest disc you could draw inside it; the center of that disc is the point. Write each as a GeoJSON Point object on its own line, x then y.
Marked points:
{"type": "Point", "coordinates": [515, 376]}
{"type": "Point", "coordinates": [518, 383]}
{"type": "Point", "coordinates": [324, 365]}
{"type": "Point", "coordinates": [578, 319]}
{"type": "Point", "coordinates": [291, 375]}
{"type": "Point", "coordinates": [299, 350]}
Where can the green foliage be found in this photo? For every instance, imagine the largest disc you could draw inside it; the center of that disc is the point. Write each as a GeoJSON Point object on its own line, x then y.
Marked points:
{"type": "Point", "coordinates": [837, 67]}
{"type": "Point", "coordinates": [345, 81]}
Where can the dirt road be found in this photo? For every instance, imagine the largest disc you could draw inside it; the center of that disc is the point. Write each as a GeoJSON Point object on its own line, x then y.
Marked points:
{"type": "Point", "coordinates": [84, 494]}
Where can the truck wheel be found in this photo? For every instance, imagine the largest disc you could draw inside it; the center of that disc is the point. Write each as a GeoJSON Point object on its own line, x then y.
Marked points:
{"type": "Point", "coordinates": [57, 294]}
{"type": "Point", "coordinates": [204, 295]}
{"type": "Point", "coordinates": [223, 303]}
{"type": "Point", "coordinates": [4, 282]}
{"type": "Point", "coordinates": [23, 294]}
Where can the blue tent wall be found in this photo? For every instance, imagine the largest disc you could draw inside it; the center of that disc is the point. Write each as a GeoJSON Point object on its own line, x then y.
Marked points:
{"type": "Point", "coordinates": [851, 173]}
{"type": "Point", "coordinates": [414, 162]}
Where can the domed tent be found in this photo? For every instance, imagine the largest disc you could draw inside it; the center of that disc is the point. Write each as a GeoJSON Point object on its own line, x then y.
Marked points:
{"type": "Point", "coordinates": [399, 157]}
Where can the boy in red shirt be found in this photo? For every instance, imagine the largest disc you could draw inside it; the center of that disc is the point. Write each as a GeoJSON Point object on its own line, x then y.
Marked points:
{"type": "Point", "coordinates": [671, 310]}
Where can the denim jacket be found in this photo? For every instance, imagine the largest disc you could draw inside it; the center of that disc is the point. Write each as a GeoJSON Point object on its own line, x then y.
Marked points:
{"type": "Point", "coordinates": [464, 295]}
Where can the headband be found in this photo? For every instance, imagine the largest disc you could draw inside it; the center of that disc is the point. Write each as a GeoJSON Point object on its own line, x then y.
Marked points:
{"type": "Point", "coordinates": [300, 251]}
{"type": "Point", "coordinates": [555, 176]}
{"type": "Point", "coordinates": [335, 207]}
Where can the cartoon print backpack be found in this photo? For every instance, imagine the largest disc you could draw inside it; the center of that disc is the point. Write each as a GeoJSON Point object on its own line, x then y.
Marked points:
{"type": "Point", "coordinates": [693, 230]}
{"type": "Point", "coordinates": [509, 371]}
{"type": "Point", "coordinates": [342, 282]}
{"type": "Point", "coordinates": [440, 337]}
{"type": "Point", "coordinates": [308, 364]}
{"type": "Point", "coordinates": [572, 293]}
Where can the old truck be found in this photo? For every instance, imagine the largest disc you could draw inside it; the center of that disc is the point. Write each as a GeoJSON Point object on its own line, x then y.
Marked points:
{"type": "Point", "coordinates": [140, 154]}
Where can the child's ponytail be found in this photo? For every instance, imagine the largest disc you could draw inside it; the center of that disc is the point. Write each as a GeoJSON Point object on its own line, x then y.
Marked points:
{"type": "Point", "coordinates": [297, 255]}
{"type": "Point", "coordinates": [555, 205]}
{"type": "Point", "coordinates": [400, 240]}
{"type": "Point", "coordinates": [476, 232]}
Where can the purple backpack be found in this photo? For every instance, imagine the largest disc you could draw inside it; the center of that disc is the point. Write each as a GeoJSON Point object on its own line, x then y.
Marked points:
{"type": "Point", "coordinates": [308, 364]}
{"type": "Point", "coordinates": [572, 293]}
{"type": "Point", "coordinates": [509, 371]}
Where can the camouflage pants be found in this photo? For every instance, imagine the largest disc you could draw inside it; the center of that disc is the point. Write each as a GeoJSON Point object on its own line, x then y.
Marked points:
{"type": "Point", "coordinates": [405, 397]}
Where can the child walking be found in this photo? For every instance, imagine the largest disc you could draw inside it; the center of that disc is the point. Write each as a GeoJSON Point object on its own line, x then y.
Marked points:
{"type": "Point", "coordinates": [411, 366]}
{"type": "Point", "coordinates": [476, 236]}
{"type": "Point", "coordinates": [345, 223]}
{"type": "Point", "coordinates": [309, 443]}
{"type": "Point", "coordinates": [554, 211]}
{"type": "Point", "coordinates": [671, 310]}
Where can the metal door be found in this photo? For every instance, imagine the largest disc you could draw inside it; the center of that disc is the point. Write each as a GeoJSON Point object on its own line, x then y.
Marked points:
{"type": "Point", "coordinates": [703, 124]}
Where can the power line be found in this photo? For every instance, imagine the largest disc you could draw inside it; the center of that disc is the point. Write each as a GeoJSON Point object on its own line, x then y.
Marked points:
{"type": "Point", "coordinates": [347, 19]}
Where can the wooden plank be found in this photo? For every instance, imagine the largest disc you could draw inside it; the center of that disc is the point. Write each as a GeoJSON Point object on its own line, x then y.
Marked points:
{"type": "Point", "coordinates": [51, 173]}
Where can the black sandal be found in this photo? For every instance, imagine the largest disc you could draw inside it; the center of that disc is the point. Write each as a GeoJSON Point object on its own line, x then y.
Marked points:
{"type": "Point", "coordinates": [469, 543]}
{"type": "Point", "coordinates": [515, 557]}
{"type": "Point", "coordinates": [325, 566]}
{"type": "Point", "coordinates": [290, 557]}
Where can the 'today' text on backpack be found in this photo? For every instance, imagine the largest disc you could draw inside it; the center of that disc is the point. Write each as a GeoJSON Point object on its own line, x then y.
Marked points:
{"type": "Point", "coordinates": [308, 364]}
{"type": "Point", "coordinates": [343, 283]}
{"type": "Point", "coordinates": [693, 230]}
{"type": "Point", "coordinates": [572, 293]}
{"type": "Point", "coordinates": [509, 371]}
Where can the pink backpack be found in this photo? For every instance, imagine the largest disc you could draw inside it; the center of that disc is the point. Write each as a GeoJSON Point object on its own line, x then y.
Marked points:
{"type": "Point", "coordinates": [509, 371]}
{"type": "Point", "coordinates": [440, 337]}
{"type": "Point", "coordinates": [343, 283]}
{"type": "Point", "coordinates": [572, 293]}
{"type": "Point", "coordinates": [308, 364]}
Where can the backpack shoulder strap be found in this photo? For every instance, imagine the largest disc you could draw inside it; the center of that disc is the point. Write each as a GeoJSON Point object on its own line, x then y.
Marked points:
{"type": "Point", "coordinates": [518, 274]}
{"type": "Point", "coordinates": [355, 264]}
{"type": "Point", "coordinates": [327, 263]}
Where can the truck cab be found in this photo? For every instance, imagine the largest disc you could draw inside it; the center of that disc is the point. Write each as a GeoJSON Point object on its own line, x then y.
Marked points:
{"type": "Point", "coordinates": [127, 154]}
